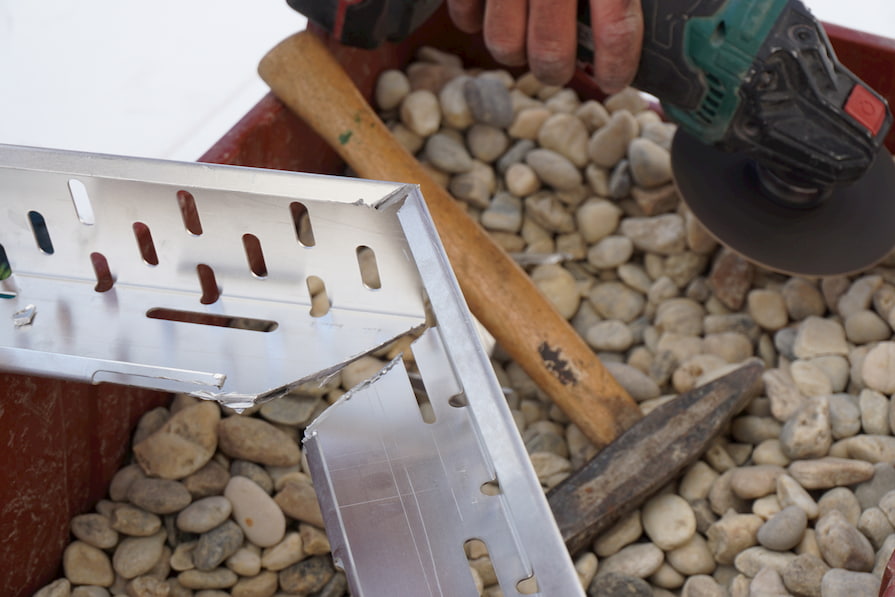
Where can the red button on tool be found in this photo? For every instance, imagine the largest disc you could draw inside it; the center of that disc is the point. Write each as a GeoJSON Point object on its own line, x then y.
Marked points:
{"type": "Point", "coordinates": [866, 108]}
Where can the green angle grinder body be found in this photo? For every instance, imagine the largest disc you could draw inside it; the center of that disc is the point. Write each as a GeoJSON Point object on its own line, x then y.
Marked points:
{"type": "Point", "coordinates": [779, 151]}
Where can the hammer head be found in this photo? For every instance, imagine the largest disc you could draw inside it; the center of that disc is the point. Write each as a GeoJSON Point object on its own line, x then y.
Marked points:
{"type": "Point", "coordinates": [367, 23]}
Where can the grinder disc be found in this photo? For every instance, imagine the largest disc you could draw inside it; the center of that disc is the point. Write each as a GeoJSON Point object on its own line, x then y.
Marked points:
{"type": "Point", "coordinates": [850, 230]}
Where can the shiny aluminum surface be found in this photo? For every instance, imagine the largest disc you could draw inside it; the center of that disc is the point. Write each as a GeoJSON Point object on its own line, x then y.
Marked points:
{"type": "Point", "coordinates": [87, 294]}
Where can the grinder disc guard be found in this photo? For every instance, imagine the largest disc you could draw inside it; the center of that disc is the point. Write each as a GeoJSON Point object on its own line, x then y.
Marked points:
{"type": "Point", "coordinates": [850, 230]}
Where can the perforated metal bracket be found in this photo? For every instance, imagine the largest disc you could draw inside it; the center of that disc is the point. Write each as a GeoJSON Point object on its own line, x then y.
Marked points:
{"type": "Point", "coordinates": [227, 283]}
{"type": "Point", "coordinates": [404, 492]}
{"type": "Point", "coordinates": [237, 284]}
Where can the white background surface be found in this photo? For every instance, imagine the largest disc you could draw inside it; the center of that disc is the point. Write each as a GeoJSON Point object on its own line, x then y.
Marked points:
{"type": "Point", "coordinates": [167, 78]}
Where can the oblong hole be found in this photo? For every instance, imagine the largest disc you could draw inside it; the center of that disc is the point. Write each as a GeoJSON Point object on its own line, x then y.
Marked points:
{"type": "Point", "coordinates": [427, 411]}
{"type": "Point", "coordinates": [224, 321]}
{"type": "Point", "coordinates": [320, 302]}
{"type": "Point", "coordinates": [302, 220]}
{"type": "Point", "coordinates": [458, 400]}
{"type": "Point", "coordinates": [210, 291]}
{"type": "Point", "coordinates": [254, 254]}
{"type": "Point", "coordinates": [145, 244]}
{"type": "Point", "coordinates": [41, 233]}
{"type": "Point", "coordinates": [81, 200]}
{"type": "Point", "coordinates": [479, 560]}
{"type": "Point", "coordinates": [190, 214]}
{"type": "Point", "coordinates": [5, 267]}
{"type": "Point", "coordinates": [104, 280]}
{"type": "Point", "coordinates": [369, 269]}
{"type": "Point", "coordinates": [490, 487]}
{"type": "Point", "coordinates": [528, 586]}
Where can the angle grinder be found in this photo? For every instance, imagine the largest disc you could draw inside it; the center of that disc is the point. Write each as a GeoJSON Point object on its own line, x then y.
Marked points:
{"type": "Point", "coordinates": [779, 150]}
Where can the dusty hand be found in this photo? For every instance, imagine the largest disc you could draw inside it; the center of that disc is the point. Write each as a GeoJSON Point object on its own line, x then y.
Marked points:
{"type": "Point", "coordinates": [543, 34]}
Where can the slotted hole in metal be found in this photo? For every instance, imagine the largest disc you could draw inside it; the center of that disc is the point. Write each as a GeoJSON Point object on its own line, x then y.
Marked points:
{"type": "Point", "coordinates": [212, 319]}
{"type": "Point", "coordinates": [104, 279]}
{"type": "Point", "coordinates": [528, 586]}
{"type": "Point", "coordinates": [81, 201]}
{"type": "Point", "coordinates": [210, 291]}
{"type": "Point", "coordinates": [302, 220]}
{"type": "Point", "coordinates": [254, 254]}
{"type": "Point", "coordinates": [479, 558]}
{"type": "Point", "coordinates": [190, 213]}
{"type": "Point", "coordinates": [369, 269]}
{"type": "Point", "coordinates": [320, 302]}
{"type": "Point", "coordinates": [5, 267]}
{"type": "Point", "coordinates": [145, 243]}
{"type": "Point", "coordinates": [420, 393]}
{"type": "Point", "coordinates": [490, 487]}
{"type": "Point", "coordinates": [458, 400]}
{"type": "Point", "coordinates": [41, 233]}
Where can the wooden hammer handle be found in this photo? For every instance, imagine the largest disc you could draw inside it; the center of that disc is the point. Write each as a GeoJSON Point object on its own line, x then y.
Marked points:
{"type": "Point", "coordinates": [307, 78]}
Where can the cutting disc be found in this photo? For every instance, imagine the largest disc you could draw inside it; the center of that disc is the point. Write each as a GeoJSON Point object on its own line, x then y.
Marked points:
{"type": "Point", "coordinates": [850, 230]}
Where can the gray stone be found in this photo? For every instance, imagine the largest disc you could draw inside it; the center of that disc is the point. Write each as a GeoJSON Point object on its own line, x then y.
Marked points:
{"type": "Point", "coordinates": [138, 555]}
{"type": "Point", "coordinates": [220, 578]}
{"type": "Point", "coordinates": [489, 101]}
{"type": "Point", "coordinates": [620, 180]}
{"type": "Point", "coordinates": [421, 113]}
{"type": "Point", "coordinates": [803, 299]}
{"type": "Point", "coordinates": [255, 440]}
{"type": "Point", "coordinates": [554, 169]}
{"type": "Point", "coordinates": [159, 496]}
{"type": "Point", "coordinates": [865, 327]}
{"type": "Point", "coordinates": [183, 444]}
{"type": "Point", "coordinates": [610, 252]}
{"type": "Point", "coordinates": [549, 213]}
{"type": "Point", "coordinates": [205, 514]}
{"type": "Point", "coordinates": [454, 108]}
{"type": "Point", "coordinates": [803, 575]}
{"type": "Point", "coordinates": [871, 492]}
{"type": "Point", "coordinates": [447, 154]}
{"type": "Point", "coordinates": [129, 520]}
{"type": "Point", "coordinates": [85, 564]}
{"type": "Point", "coordinates": [613, 300]}
{"type": "Point", "coordinates": [819, 337]}
{"type": "Point", "coordinates": [837, 582]}
{"type": "Point", "coordinates": [807, 433]}
{"type": "Point", "coordinates": [609, 144]}
{"type": "Point", "coordinates": [292, 409]}
{"type": "Point", "coordinates": [877, 372]}
{"type": "Point", "coordinates": [650, 163]}
{"type": "Point", "coordinates": [732, 534]}
{"type": "Point", "coordinates": [597, 219]}
{"type": "Point", "coordinates": [784, 530]}
{"type": "Point", "coordinates": [663, 234]}
{"type": "Point", "coordinates": [614, 584]}
{"type": "Point", "coordinates": [565, 134]}
{"type": "Point", "coordinates": [825, 473]}
{"type": "Point", "coordinates": [217, 545]}
{"type": "Point", "coordinates": [94, 529]}
{"type": "Point", "coordinates": [307, 576]}
{"type": "Point", "coordinates": [392, 87]}
{"type": "Point", "coordinates": [845, 416]}
{"type": "Point", "coordinates": [843, 545]}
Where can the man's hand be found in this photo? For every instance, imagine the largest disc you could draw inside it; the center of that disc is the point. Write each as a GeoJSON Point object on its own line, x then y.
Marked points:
{"type": "Point", "coordinates": [543, 34]}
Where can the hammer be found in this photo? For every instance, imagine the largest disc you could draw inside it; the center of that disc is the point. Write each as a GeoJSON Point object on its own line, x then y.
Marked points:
{"type": "Point", "coordinates": [647, 452]}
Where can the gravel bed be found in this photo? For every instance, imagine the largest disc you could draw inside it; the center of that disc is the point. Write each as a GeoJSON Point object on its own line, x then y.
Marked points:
{"type": "Point", "coordinates": [796, 498]}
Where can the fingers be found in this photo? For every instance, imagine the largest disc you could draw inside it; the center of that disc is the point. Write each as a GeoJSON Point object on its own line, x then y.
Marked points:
{"type": "Point", "coordinates": [505, 30]}
{"type": "Point", "coordinates": [618, 35]}
{"type": "Point", "coordinates": [552, 40]}
{"type": "Point", "coordinates": [544, 33]}
{"type": "Point", "coordinates": [467, 14]}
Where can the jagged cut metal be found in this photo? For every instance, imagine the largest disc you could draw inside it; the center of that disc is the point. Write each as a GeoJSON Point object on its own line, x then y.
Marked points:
{"type": "Point", "coordinates": [237, 284]}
